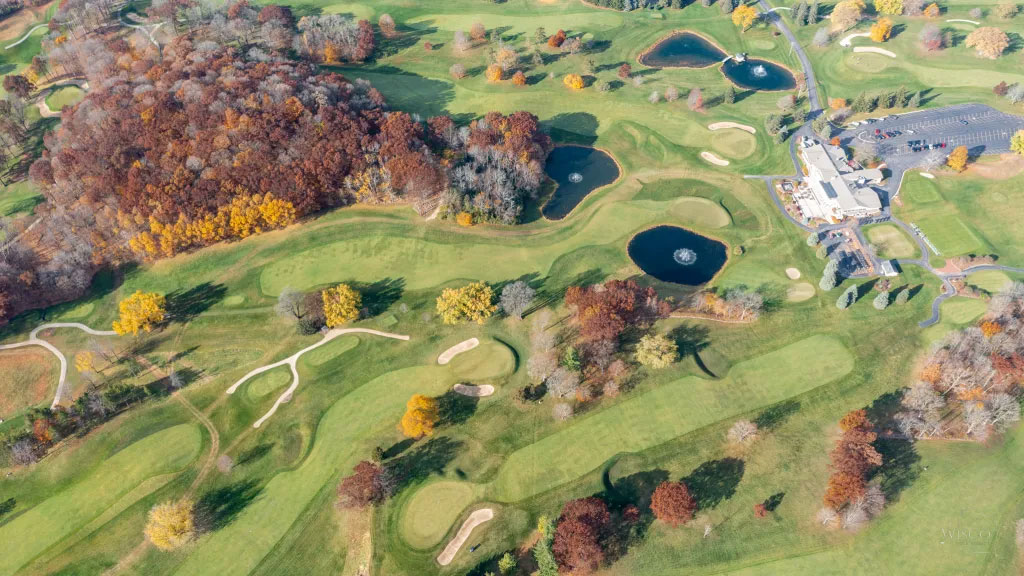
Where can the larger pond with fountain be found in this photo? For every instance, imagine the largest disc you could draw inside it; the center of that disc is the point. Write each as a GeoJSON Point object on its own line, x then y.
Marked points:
{"type": "Point", "coordinates": [578, 171]}
{"type": "Point", "coordinates": [677, 255]}
{"type": "Point", "coordinates": [689, 50]}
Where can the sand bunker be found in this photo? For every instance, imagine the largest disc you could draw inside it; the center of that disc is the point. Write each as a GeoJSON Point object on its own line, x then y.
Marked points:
{"type": "Point", "coordinates": [928, 176]}
{"type": "Point", "coordinates": [474, 391]}
{"type": "Point", "coordinates": [459, 348]}
{"type": "Point", "coordinates": [792, 273]}
{"type": "Point", "coordinates": [846, 41]}
{"type": "Point", "coordinates": [475, 519]}
{"type": "Point", "coordinates": [711, 157]}
{"type": "Point", "coordinates": [724, 125]}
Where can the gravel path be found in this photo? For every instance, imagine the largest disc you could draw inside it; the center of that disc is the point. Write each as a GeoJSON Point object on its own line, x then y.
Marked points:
{"type": "Point", "coordinates": [294, 358]}
{"type": "Point", "coordinates": [26, 36]}
{"type": "Point", "coordinates": [459, 348]}
{"type": "Point", "coordinates": [475, 519]}
{"type": "Point", "coordinates": [34, 340]}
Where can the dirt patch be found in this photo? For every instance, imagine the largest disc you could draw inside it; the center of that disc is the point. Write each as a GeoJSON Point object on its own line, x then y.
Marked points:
{"type": "Point", "coordinates": [1005, 166]}
{"type": "Point", "coordinates": [792, 273]}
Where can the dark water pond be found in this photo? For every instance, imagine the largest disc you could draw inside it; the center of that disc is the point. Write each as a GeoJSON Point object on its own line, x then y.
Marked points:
{"type": "Point", "coordinates": [683, 50]}
{"type": "Point", "coordinates": [757, 74]}
{"type": "Point", "coordinates": [673, 254]}
{"type": "Point", "coordinates": [578, 171]}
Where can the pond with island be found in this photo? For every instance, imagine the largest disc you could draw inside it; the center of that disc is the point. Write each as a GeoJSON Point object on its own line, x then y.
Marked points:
{"type": "Point", "coordinates": [689, 50]}
{"type": "Point", "coordinates": [577, 171]}
{"type": "Point", "coordinates": [677, 255]}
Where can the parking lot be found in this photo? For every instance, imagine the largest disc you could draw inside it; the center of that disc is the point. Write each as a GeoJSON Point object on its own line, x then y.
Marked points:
{"type": "Point", "coordinates": [915, 135]}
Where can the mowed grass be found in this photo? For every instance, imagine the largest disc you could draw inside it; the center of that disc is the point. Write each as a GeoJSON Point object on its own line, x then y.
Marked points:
{"type": "Point", "coordinates": [733, 143]}
{"type": "Point", "coordinates": [432, 511]}
{"type": "Point", "coordinates": [28, 377]}
{"type": "Point", "coordinates": [65, 96]}
{"type": "Point", "coordinates": [963, 310]}
{"type": "Point", "coordinates": [667, 412]}
{"type": "Point", "coordinates": [268, 382]}
{"type": "Point", "coordinates": [919, 189]}
{"type": "Point", "coordinates": [891, 241]}
{"type": "Point", "coordinates": [991, 281]}
{"type": "Point", "coordinates": [949, 234]}
{"type": "Point", "coordinates": [487, 361]}
{"type": "Point", "coordinates": [46, 524]}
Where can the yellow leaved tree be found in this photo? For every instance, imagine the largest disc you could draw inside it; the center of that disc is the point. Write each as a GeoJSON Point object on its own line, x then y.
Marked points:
{"type": "Point", "coordinates": [744, 16]}
{"type": "Point", "coordinates": [881, 30]}
{"type": "Point", "coordinates": [471, 303]}
{"type": "Point", "coordinates": [171, 524]}
{"type": "Point", "coordinates": [574, 81]}
{"type": "Point", "coordinates": [421, 415]}
{"type": "Point", "coordinates": [341, 305]}
{"type": "Point", "coordinates": [958, 158]}
{"type": "Point", "coordinates": [140, 311]}
{"type": "Point", "coordinates": [1017, 142]}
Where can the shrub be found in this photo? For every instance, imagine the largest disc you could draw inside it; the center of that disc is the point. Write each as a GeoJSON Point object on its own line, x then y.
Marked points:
{"type": "Point", "coordinates": [464, 219]}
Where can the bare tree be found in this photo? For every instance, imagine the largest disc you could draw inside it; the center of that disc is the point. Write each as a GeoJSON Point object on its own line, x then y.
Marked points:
{"type": "Point", "coordinates": [562, 411]}
{"type": "Point", "coordinates": [541, 365]}
{"type": "Point", "coordinates": [827, 516]}
{"type": "Point", "coordinates": [225, 463]}
{"type": "Point", "coordinates": [562, 382]}
{"type": "Point", "coordinates": [291, 304]}
{"type": "Point", "coordinates": [742, 432]}
{"type": "Point", "coordinates": [516, 298]}
{"type": "Point", "coordinates": [23, 453]}
{"type": "Point", "coordinates": [977, 418]}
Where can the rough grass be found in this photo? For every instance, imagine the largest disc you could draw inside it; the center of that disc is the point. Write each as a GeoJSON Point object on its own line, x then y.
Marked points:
{"type": "Point", "coordinates": [28, 377]}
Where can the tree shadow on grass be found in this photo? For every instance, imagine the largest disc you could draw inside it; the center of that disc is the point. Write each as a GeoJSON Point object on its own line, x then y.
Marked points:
{"type": "Point", "coordinates": [773, 416]}
{"type": "Point", "coordinates": [218, 507]}
{"type": "Point", "coordinates": [183, 306]}
{"type": "Point", "coordinates": [253, 454]}
{"type": "Point", "coordinates": [714, 481]}
{"type": "Point", "coordinates": [456, 408]}
{"type": "Point", "coordinates": [573, 127]}
{"type": "Point", "coordinates": [901, 465]}
{"type": "Point", "coordinates": [7, 506]}
{"type": "Point", "coordinates": [883, 409]}
{"type": "Point", "coordinates": [431, 457]}
{"type": "Point", "coordinates": [380, 295]}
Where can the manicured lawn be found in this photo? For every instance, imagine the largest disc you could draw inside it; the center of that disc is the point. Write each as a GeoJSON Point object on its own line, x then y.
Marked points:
{"type": "Point", "coordinates": [487, 361]}
{"type": "Point", "coordinates": [433, 510]}
{"type": "Point", "coordinates": [66, 96]}
{"type": "Point", "coordinates": [990, 280]}
{"type": "Point", "coordinates": [667, 412]}
{"type": "Point", "coordinates": [733, 143]}
{"type": "Point", "coordinates": [949, 234]}
{"type": "Point", "coordinates": [918, 189]}
{"type": "Point", "coordinates": [891, 241]}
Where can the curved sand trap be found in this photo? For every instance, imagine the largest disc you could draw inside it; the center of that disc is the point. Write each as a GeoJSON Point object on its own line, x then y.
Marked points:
{"type": "Point", "coordinates": [846, 41]}
{"type": "Point", "coordinates": [459, 348]}
{"type": "Point", "coordinates": [800, 292]}
{"type": "Point", "coordinates": [711, 157]}
{"type": "Point", "coordinates": [874, 50]}
{"type": "Point", "coordinates": [963, 20]}
{"type": "Point", "coordinates": [792, 273]}
{"type": "Point", "coordinates": [474, 391]}
{"type": "Point", "coordinates": [475, 519]}
{"type": "Point", "coordinates": [928, 176]}
{"type": "Point", "coordinates": [724, 125]}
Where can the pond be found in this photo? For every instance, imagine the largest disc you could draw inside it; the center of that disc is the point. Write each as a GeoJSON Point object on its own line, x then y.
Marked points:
{"type": "Point", "coordinates": [578, 171]}
{"type": "Point", "coordinates": [683, 50]}
{"type": "Point", "coordinates": [677, 255]}
{"type": "Point", "coordinates": [755, 74]}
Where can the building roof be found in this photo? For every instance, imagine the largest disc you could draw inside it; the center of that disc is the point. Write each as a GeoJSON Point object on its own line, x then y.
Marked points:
{"type": "Point", "coordinates": [846, 189]}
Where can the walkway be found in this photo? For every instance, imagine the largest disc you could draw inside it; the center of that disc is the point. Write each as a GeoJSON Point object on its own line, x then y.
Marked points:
{"type": "Point", "coordinates": [294, 358]}
{"type": "Point", "coordinates": [34, 340]}
{"type": "Point", "coordinates": [26, 36]}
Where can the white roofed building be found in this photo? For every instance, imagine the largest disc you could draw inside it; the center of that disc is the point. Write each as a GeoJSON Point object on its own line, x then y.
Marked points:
{"type": "Point", "coordinates": [839, 188]}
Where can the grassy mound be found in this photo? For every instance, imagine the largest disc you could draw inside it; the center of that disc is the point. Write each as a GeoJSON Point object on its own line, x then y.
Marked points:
{"type": "Point", "coordinates": [669, 411]}
{"type": "Point", "coordinates": [268, 382]}
{"type": "Point", "coordinates": [118, 478]}
{"type": "Point", "coordinates": [891, 241]}
{"type": "Point", "coordinates": [432, 511]}
{"type": "Point", "coordinates": [733, 143]}
{"type": "Point", "coordinates": [490, 359]}
{"type": "Point", "coordinates": [700, 212]}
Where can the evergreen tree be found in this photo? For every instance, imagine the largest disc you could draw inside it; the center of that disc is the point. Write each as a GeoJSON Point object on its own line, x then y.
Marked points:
{"type": "Point", "coordinates": [730, 91]}
{"type": "Point", "coordinates": [727, 6]}
{"type": "Point", "coordinates": [812, 239]}
{"type": "Point", "coordinates": [860, 103]}
{"type": "Point", "coordinates": [812, 14]}
{"type": "Point", "coordinates": [882, 300]}
{"type": "Point", "coordinates": [800, 13]}
{"type": "Point", "coordinates": [847, 298]}
{"type": "Point", "coordinates": [829, 278]}
{"type": "Point", "coordinates": [901, 97]}
{"type": "Point", "coordinates": [915, 101]}
{"type": "Point", "coordinates": [903, 296]}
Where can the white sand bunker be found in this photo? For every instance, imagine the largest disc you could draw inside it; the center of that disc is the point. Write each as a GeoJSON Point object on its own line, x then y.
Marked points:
{"type": "Point", "coordinates": [928, 175]}
{"type": "Point", "coordinates": [846, 41]}
{"type": "Point", "coordinates": [792, 273]}
{"type": "Point", "coordinates": [711, 157]}
{"type": "Point", "coordinates": [475, 519]}
{"type": "Point", "coordinates": [475, 391]}
{"type": "Point", "coordinates": [965, 21]}
{"type": "Point", "coordinates": [724, 125]}
{"type": "Point", "coordinates": [459, 348]}
{"type": "Point", "coordinates": [874, 50]}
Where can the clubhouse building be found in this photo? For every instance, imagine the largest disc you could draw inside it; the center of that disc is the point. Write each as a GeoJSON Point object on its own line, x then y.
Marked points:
{"type": "Point", "coordinates": [836, 188]}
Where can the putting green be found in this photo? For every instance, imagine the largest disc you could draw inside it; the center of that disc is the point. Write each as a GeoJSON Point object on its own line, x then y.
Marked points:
{"type": "Point", "coordinates": [990, 280]}
{"type": "Point", "coordinates": [700, 212]}
{"type": "Point", "coordinates": [331, 350]}
{"type": "Point", "coordinates": [867, 62]}
{"type": "Point", "coordinates": [432, 511]}
{"type": "Point", "coordinates": [733, 143]}
{"type": "Point", "coordinates": [490, 359]}
{"type": "Point", "coordinates": [667, 412]}
{"type": "Point", "coordinates": [891, 241]}
{"type": "Point", "coordinates": [55, 518]}
{"type": "Point", "coordinates": [62, 97]}
{"type": "Point", "coordinates": [949, 234]}
{"type": "Point", "coordinates": [268, 382]}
